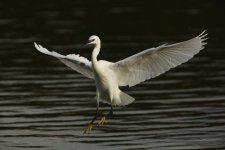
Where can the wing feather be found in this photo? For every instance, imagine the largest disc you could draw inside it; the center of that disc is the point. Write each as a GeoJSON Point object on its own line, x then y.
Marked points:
{"type": "Point", "coordinates": [75, 62]}
{"type": "Point", "coordinates": [155, 61]}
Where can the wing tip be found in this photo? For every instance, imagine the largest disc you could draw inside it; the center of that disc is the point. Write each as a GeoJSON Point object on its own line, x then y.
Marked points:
{"type": "Point", "coordinates": [203, 35]}
{"type": "Point", "coordinates": [41, 49]}
{"type": "Point", "coordinates": [202, 32]}
{"type": "Point", "coordinates": [35, 45]}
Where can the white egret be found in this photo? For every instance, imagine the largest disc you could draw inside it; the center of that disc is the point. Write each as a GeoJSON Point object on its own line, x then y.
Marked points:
{"type": "Point", "coordinates": [130, 71]}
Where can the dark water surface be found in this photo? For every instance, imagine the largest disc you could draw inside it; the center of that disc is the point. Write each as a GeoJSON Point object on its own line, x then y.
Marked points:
{"type": "Point", "coordinates": [45, 105]}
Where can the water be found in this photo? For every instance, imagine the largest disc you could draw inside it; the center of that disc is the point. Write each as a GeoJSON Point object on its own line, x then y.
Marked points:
{"type": "Point", "coordinates": [45, 105]}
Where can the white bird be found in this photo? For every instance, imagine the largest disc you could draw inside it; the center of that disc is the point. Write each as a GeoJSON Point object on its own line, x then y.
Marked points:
{"type": "Point", "coordinates": [109, 76]}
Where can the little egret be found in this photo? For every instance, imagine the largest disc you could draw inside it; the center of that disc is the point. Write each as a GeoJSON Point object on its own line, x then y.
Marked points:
{"type": "Point", "coordinates": [130, 71]}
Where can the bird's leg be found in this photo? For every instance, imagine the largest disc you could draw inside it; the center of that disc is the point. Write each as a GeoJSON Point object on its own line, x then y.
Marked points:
{"type": "Point", "coordinates": [110, 115]}
{"type": "Point", "coordinates": [102, 121]}
{"type": "Point", "coordinates": [90, 125]}
{"type": "Point", "coordinates": [103, 118]}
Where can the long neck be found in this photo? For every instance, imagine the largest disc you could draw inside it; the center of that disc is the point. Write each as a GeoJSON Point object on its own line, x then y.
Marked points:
{"type": "Point", "coordinates": [95, 54]}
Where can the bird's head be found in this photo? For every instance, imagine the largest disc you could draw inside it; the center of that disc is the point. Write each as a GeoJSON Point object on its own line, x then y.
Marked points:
{"type": "Point", "coordinates": [93, 40]}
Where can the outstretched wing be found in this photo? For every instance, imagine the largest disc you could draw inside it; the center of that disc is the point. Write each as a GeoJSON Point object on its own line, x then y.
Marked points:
{"type": "Point", "coordinates": [155, 61]}
{"type": "Point", "coordinates": [76, 62]}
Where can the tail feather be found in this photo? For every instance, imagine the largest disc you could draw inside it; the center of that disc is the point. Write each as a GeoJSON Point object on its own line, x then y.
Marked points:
{"type": "Point", "coordinates": [125, 99]}
{"type": "Point", "coordinates": [121, 100]}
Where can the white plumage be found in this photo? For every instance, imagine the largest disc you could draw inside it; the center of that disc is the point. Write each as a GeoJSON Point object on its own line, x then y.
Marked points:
{"type": "Point", "coordinates": [155, 61]}
{"type": "Point", "coordinates": [75, 62]}
{"type": "Point", "coordinates": [130, 71]}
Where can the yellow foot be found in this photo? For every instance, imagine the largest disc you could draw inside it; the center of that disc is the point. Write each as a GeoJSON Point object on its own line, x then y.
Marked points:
{"type": "Point", "coordinates": [102, 121]}
{"type": "Point", "coordinates": [88, 128]}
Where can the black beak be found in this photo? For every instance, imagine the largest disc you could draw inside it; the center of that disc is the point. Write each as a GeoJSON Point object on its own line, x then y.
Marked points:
{"type": "Point", "coordinates": [89, 41]}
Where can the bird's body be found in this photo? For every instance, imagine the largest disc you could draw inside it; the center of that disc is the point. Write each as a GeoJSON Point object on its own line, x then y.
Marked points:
{"type": "Point", "coordinates": [107, 87]}
{"type": "Point", "coordinates": [104, 81]}
{"type": "Point", "coordinates": [130, 71]}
